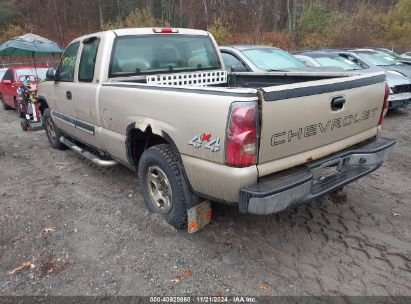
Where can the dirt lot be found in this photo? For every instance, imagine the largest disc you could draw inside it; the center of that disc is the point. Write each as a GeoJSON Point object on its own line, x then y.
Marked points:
{"type": "Point", "coordinates": [86, 231]}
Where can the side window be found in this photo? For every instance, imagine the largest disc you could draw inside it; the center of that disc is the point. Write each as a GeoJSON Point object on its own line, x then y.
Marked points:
{"type": "Point", "coordinates": [67, 65]}
{"type": "Point", "coordinates": [231, 61]}
{"type": "Point", "coordinates": [8, 75]}
{"type": "Point", "coordinates": [88, 59]}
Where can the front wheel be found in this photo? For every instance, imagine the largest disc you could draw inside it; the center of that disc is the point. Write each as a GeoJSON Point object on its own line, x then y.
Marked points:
{"type": "Point", "coordinates": [24, 124]}
{"type": "Point", "coordinates": [53, 133]}
{"type": "Point", "coordinates": [5, 106]}
{"type": "Point", "coordinates": [162, 184]}
{"type": "Point", "coordinates": [17, 108]}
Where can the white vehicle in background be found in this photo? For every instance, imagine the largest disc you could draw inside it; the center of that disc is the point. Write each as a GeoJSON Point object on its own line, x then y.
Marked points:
{"type": "Point", "coordinates": [400, 84]}
{"type": "Point", "coordinates": [406, 55]}
{"type": "Point", "coordinates": [260, 58]}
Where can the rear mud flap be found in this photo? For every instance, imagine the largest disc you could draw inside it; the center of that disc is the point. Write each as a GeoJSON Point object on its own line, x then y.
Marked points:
{"type": "Point", "coordinates": [199, 216]}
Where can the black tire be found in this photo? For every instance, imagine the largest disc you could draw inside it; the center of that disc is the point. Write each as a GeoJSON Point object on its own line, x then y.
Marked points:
{"type": "Point", "coordinates": [53, 133]}
{"type": "Point", "coordinates": [5, 106]}
{"type": "Point", "coordinates": [24, 124]}
{"type": "Point", "coordinates": [17, 108]}
{"type": "Point", "coordinates": [164, 157]}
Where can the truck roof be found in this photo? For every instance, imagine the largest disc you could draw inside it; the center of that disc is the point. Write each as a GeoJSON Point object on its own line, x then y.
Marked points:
{"type": "Point", "coordinates": [146, 31]}
{"type": "Point", "coordinates": [150, 30]}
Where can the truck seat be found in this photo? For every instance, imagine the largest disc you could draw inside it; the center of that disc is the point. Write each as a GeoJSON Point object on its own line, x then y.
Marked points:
{"type": "Point", "coordinates": [166, 56]}
{"type": "Point", "coordinates": [134, 65]}
{"type": "Point", "coordinates": [197, 62]}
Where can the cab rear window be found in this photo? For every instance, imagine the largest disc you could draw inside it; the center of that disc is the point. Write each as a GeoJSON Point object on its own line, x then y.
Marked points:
{"type": "Point", "coordinates": [139, 55]}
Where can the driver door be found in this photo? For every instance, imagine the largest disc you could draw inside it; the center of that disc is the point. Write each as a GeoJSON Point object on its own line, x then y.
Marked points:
{"type": "Point", "coordinates": [64, 90]}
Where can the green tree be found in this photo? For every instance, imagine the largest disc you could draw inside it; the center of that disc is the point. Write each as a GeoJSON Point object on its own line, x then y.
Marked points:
{"type": "Point", "coordinates": [221, 33]}
{"type": "Point", "coordinates": [366, 29]}
{"type": "Point", "coordinates": [398, 23]}
{"type": "Point", "coordinates": [137, 18]}
{"type": "Point", "coordinates": [318, 26]}
{"type": "Point", "coordinates": [8, 11]}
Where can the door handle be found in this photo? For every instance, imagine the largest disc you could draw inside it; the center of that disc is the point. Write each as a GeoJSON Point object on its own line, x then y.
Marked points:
{"type": "Point", "coordinates": [68, 95]}
{"type": "Point", "coordinates": [337, 103]}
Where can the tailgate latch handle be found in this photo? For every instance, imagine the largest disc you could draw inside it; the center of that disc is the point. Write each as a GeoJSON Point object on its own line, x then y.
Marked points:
{"type": "Point", "coordinates": [337, 103]}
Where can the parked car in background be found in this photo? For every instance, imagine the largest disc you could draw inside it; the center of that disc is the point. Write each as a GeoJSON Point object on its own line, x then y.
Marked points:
{"type": "Point", "coordinates": [320, 59]}
{"type": "Point", "coordinates": [406, 55]}
{"type": "Point", "coordinates": [393, 54]}
{"type": "Point", "coordinates": [257, 58]}
{"type": "Point", "coordinates": [384, 61]}
{"type": "Point", "coordinates": [11, 81]}
{"type": "Point", "coordinates": [400, 85]}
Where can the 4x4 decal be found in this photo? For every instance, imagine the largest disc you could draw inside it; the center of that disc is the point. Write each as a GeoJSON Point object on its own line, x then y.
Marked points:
{"type": "Point", "coordinates": [211, 143]}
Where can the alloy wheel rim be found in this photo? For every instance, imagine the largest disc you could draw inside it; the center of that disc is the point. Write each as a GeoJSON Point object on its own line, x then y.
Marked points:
{"type": "Point", "coordinates": [159, 189]}
{"type": "Point", "coordinates": [50, 129]}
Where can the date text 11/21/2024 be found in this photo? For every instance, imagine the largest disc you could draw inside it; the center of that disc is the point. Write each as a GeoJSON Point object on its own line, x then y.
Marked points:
{"type": "Point", "coordinates": [203, 299]}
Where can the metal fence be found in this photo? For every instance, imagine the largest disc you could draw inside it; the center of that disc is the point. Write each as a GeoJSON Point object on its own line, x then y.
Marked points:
{"type": "Point", "coordinates": [47, 62]}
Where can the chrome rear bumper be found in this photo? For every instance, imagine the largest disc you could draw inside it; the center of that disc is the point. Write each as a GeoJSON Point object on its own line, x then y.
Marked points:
{"type": "Point", "coordinates": [301, 185]}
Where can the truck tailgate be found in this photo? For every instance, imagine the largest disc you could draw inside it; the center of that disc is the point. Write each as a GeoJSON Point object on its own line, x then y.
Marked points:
{"type": "Point", "coordinates": [306, 116]}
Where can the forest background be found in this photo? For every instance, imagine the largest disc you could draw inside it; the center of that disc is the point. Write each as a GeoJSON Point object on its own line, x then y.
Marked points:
{"type": "Point", "coordinates": [287, 24]}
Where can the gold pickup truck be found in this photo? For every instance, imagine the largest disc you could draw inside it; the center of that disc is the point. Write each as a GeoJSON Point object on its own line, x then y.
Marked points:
{"type": "Point", "coordinates": [158, 101]}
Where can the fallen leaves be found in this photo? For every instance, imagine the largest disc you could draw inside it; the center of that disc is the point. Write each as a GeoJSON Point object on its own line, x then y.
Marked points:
{"type": "Point", "coordinates": [219, 294]}
{"type": "Point", "coordinates": [46, 266]}
{"type": "Point", "coordinates": [131, 193]}
{"type": "Point", "coordinates": [22, 267]}
{"type": "Point", "coordinates": [265, 287]}
{"type": "Point", "coordinates": [186, 274]}
{"type": "Point", "coordinates": [50, 266]}
{"type": "Point", "coordinates": [338, 196]}
{"type": "Point", "coordinates": [119, 189]}
{"type": "Point", "coordinates": [47, 230]}
{"type": "Point", "coordinates": [228, 244]}
{"type": "Point", "coordinates": [42, 197]}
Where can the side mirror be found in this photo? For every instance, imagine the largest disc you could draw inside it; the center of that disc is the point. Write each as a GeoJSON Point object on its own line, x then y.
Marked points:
{"type": "Point", "coordinates": [239, 68]}
{"type": "Point", "coordinates": [6, 81]}
{"type": "Point", "coordinates": [51, 74]}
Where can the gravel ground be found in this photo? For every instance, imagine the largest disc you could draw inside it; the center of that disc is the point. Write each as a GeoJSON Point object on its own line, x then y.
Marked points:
{"type": "Point", "coordinates": [84, 230]}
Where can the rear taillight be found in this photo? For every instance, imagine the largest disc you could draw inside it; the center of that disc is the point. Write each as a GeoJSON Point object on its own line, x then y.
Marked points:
{"type": "Point", "coordinates": [385, 106]}
{"type": "Point", "coordinates": [241, 145]}
{"type": "Point", "coordinates": [165, 30]}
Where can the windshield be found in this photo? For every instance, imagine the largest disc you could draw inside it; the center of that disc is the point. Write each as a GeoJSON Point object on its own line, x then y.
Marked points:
{"type": "Point", "coordinates": [391, 53]}
{"type": "Point", "coordinates": [135, 55]}
{"type": "Point", "coordinates": [41, 72]}
{"type": "Point", "coordinates": [338, 62]}
{"type": "Point", "coordinates": [379, 59]}
{"type": "Point", "coordinates": [273, 59]}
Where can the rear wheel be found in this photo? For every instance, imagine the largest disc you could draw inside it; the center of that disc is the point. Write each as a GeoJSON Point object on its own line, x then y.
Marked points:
{"type": "Point", "coordinates": [5, 106]}
{"type": "Point", "coordinates": [162, 184]}
{"type": "Point", "coordinates": [53, 133]}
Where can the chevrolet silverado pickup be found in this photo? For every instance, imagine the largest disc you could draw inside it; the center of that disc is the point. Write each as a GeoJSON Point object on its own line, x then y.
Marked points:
{"type": "Point", "coordinates": [159, 101]}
